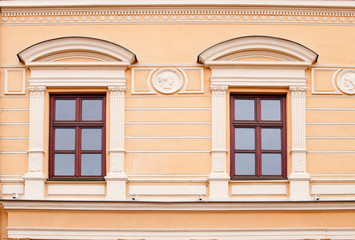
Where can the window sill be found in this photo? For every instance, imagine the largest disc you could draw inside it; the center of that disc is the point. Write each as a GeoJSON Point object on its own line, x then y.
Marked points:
{"type": "Point", "coordinates": [259, 180]}
{"type": "Point", "coordinates": [76, 180]}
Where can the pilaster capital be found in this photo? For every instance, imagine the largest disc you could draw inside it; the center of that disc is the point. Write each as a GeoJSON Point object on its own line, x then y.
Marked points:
{"type": "Point", "coordinates": [217, 87]}
{"type": "Point", "coordinates": [297, 88]}
{"type": "Point", "coordinates": [117, 88]}
{"type": "Point", "coordinates": [36, 88]}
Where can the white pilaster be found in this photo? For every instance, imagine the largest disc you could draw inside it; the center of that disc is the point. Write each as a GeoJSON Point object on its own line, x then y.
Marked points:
{"type": "Point", "coordinates": [218, 179]}
{"type": "Point", "coordinates": [116, 179]}
{"type": "Point", "coordinates": [34, 178]}
{"type": "Point", "coordinates": [299, 179]}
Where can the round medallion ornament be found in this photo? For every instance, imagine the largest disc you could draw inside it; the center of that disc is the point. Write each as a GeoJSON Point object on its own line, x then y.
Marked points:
{"type": "Point", "coordinates": [346, 81]}
{"type": "Point", "coordinates": [167, 80]}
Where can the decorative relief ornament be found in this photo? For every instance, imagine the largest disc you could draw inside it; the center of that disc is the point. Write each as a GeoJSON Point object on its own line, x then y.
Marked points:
{"type": "Point", "coordinates": [346, 81]}
{"type": "Point", "coordinates": [167, 80]}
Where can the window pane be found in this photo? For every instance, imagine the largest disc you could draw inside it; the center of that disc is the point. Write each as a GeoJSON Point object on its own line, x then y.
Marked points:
{"type": "Point", "coordinates": [91, 164]}
{"type": "Point", "coordinates": [65, 110]}
{"type": "Point", "coordinates": [91, 139]}
{"type": "Point", "coordinates": [271, 139]}
{"type": "Point", "coordinates": [271, 110]}
{"type": "Point", "coordinates": [245, 138]}
{"type": "Point", "coordinates": [64, 164]}
{"type": "Point", "coordinates": [64, 139]}
{"type": "Point", "coordinates": [271, 164]}
{"type": "Point", "coordinates": [244, 164]}
{"type": "Point", "coordinates": [92, 110]}
{"type": "Point", "coordinates": [244, 109]}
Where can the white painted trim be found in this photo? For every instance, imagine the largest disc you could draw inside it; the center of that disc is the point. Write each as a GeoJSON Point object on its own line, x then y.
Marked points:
{"type": "Point", "coordinates": [133, 70]}
{"type": "Point", "coordinates": [336, 71]}
{"type": "Point", "coordinates": [155, 3]}
{"type": "Point", "coordinates": [337, 189]}
{"type": "Point", "coordinates": [6, 91]}
{"type": "Point", "coordinates": [8, 189]}
{"type": "Point", "coordinates": [333, 180]}
{"type": "Point", "coordinates": [178, 206]}
{"type": "Point", "coordinates": [172, 96]}
{"type": "Point", "coordinates": [329, 123]}
{"type": "Point", "coordinates": [14, 124]}
{"type": "Point", "coordinates": [12, 180]}
{"type": "Point", "coordinates": [183, 233]}
{"type": "Point", "coordinates": [167, 190]}
{"type": "Point", "coordinates": [76, 189]}
{"type": "Point", "coordinates": [32, 55]}
{"type": "Point", "coordinates": [262, 189]}
{"type": "Point", "coordinates": [169, 109]}
{"type": "Point", "coordinates": [168, 137]}
{"type": "Point", "coordinates": [15, 109]}
{"type": "Point", "coordinates": [331, 138]}
{"type": "Point", "coordinates": [167, 175]}
{"type": "Point", "coordinates": [13, 153]}
{"type": "Point", "coordinates": [332, 175]}
{"type": "Point", "coordinates": [331, 152]}
{"type": "Point", "coordinates": [202, 81]}
{"type": "Point", "coordinates": [169, 123]}
{"type": "Point", "coordinates": [330, 109]}
{"type": "Point", "coordinates": [14, 138]}
{"type": "Point", "coordinates": [167, 151]}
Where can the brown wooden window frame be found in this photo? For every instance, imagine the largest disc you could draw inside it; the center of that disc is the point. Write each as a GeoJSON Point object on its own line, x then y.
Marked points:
{"type": "Point", "coordinates": [78, 124]}
{"type": "Point", "coordinates": [257, 124]}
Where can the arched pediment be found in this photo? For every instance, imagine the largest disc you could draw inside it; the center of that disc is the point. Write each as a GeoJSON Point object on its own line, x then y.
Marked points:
{"type": "Point", "coordinates": [74, 50]}
{"type": "Point", "coordinates": [258, 49]}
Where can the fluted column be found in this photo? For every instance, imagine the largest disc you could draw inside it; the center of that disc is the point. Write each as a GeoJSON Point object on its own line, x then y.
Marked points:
{"type": "Point", "coordinates": [299, 179]}
{"type": "Point", "coordinates": [116, 178]}
{"type": "Point", "coordinates": [34, 178]}
{"type": "Point", "coordinates": [218, 179]}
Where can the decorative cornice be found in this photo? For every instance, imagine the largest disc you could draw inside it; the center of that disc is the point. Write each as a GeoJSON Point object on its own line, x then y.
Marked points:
{"type": "Point", "coordinates": [176, 15]}
{"type": "Point", "coordinates": [175, 206]}
{"type": "Point", "coordinates": [297, 88]}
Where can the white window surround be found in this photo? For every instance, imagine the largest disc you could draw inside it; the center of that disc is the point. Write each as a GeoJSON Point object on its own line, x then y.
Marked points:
{"type": "Point", "coordinates": [46, 60]}
{"type": "Point", "coordinates": [268, 62]}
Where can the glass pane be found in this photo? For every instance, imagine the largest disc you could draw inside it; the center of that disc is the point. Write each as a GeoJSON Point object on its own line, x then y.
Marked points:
{"type": "Point", "coordinates": [65, 110]}
{"type": "Point", "coordinates": [64, 164]}
{"type": "Point", "coordinates": [245, 138]}
{"type": "Point", "coordinates": [271, 139]}
{"type": "Point", "coordinates": [271, 110]}
{"type": "Point", "coordinates": [244, 164]}
{"type": "Point", "coordinates": [92, 110]}
{"type": "Point", "coordinates": [91, 139]}
{"type": "Point", "coordinates": [64, 139]}
{"type": "Point", "coordinates": [271, 164]}
{"type": "Point", "coordinates": [91, 164]}
{"type": "Point", "coordinates": [244, 109]}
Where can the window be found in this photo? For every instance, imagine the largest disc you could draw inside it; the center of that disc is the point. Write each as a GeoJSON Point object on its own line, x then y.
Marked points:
{"type": "Point", "coordinates": [77, 137]}
{"type": "Point", "coordinates": [258, 137]}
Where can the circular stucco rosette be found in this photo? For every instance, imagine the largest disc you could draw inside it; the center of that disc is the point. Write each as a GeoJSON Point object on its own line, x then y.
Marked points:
{"type": "Point", "coordinates": [167, 80]}
{"type": "Point", "coordinates": [346, 81]}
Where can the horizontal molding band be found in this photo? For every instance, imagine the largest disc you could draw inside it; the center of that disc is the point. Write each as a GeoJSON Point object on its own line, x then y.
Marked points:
{"type": "Point", "coordinates": [331, 152]}
{"type": "Point", "coordinates": [15, 109]}
{"type": "Point", "coordinates": [182, 233]}
{"type": "Point", "coordinates": [168, 137]}
{"type": "Point", "coordinates": [183, 95]}
{"type": "Point", "coordinates": [331, 138]}
{"type": "Point", "coordinates": [331, 180]}
{"type": "Point", "coordinates": [330, 109]}
{"type": "Point", "coordinates": [14, 138]}
{"type": "Point", "coordinates": [166, 180]}
{"type": "Point", "coordinates": [167, 151]}
{"type": "Point", "coordinates": [333, 175]}
{"type": "Point", "coordinates": [13, 153]}
{"type": "Point", "coordinates": [14, 124]}
{"type": "Point", "coordinates": [168, 109]}
{"type": "Point", "coordinates": [177, 206]}
{"type": "Point", "coordinates": [169, 123]}
{"type": "Point", "coordinates": [330, 123]}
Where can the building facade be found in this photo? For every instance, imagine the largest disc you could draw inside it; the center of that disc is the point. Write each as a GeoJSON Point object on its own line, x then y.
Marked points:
{"type": "Point", "coordinates": [177, 120]}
